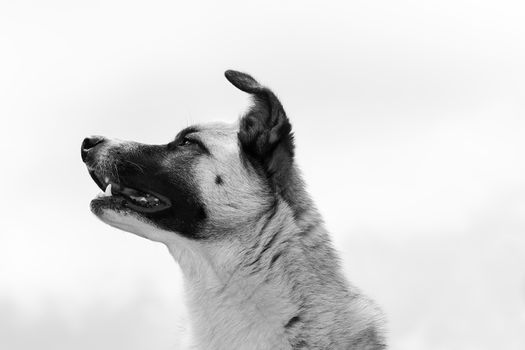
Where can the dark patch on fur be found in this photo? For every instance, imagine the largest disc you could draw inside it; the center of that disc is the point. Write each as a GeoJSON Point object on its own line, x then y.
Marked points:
{"type": "Point", "coordinates": [292, 321]}
{"type": "Point", "coordinates": [271, 242]}
{"type": "Point", "coordinates": [275, 257]}
{"type": "Point", "coordinates": [268, 216]}
{"type": "Point", "coordinates": [308, 229]}
{"type": "Point", "coordinates": [265, 248]}
{"type": "Point", "coordinates": [299, 344]}
{"type": "Point", "coordinates": [253, 262]}
{"type": "Point", "coordinates": [272, 212]}
{"type": "Point", "coordinates": [263, 251]}
{"type": "Point", "coordinates": [218, 180]}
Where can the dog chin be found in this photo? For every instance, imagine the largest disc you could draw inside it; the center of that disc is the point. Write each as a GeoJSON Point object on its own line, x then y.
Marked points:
{"type": "Point", "coordinates": [111, 211]}
{"type": "Point", "coordinates": [102, 203]}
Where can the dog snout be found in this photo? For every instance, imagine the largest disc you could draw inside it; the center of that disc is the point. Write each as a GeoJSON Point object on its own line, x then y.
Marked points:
{"type": "Point", "coordinates": [90, 144]}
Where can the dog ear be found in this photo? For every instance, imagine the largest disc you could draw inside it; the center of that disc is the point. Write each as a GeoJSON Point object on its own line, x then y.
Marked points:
{"type": "Point", "coordinates": [265, 133]}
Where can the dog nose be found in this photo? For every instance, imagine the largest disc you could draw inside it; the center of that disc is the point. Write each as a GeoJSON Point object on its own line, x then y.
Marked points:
{"type": "Point", "coordinates": [89, 144]}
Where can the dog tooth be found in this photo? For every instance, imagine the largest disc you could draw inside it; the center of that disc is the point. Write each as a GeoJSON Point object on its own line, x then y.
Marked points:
{"type": "Point", "coordinates": [106, 179]}
{"type": "Point", "coordinates": [107, 193]}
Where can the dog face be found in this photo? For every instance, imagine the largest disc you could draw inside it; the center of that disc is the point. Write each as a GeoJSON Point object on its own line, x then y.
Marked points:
{"type": "Point", "coordinates": [209, 181]}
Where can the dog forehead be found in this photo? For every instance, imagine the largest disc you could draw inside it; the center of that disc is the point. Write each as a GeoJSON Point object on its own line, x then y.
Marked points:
{"type": "Point", "coordinates": [218, 133]}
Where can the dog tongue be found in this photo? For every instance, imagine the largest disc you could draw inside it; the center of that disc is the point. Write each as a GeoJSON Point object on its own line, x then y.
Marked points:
{"type": "Point", "coordinates": [130, 192]}
{"type": "Point", "coordinates": [144, 199]}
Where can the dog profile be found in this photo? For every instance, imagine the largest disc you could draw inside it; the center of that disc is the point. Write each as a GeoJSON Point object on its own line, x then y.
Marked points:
{"type": "Point", "coordinates": [229, 203]}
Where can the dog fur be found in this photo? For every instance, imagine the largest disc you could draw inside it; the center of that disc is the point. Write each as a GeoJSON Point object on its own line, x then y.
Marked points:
{"type": "Point", "coordinates": [258, 265]}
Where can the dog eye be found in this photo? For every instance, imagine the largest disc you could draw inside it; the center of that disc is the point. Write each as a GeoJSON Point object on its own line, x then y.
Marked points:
{"type": "Point", "coordinates": [186, 142]}
{"type": "Point", "coordinates": [182, 143]}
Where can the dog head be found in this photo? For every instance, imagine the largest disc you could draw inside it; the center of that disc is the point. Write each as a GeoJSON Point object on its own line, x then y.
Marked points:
{"type": "Point", "coordinates": [209, 181]}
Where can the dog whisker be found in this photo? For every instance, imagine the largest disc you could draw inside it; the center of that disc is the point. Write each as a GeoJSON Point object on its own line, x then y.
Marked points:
{"type": "Point", "coordinates": [135, 164]}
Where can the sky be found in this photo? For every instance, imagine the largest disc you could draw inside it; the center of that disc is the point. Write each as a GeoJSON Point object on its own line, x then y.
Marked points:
{"type": "Point", "coordinates": [409, 119]}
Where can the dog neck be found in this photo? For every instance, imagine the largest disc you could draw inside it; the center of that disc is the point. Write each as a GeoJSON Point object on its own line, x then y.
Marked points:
{"type": "Point", "coordinates": [276, 285]}
{"type": "Point", "coordinates": [239, 294]}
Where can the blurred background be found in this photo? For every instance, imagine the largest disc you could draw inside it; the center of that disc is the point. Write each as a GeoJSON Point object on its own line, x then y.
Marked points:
{"type": "Point", "coordinates": [410, 122]}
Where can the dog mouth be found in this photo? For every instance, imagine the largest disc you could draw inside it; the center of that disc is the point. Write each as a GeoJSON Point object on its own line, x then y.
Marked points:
{"type": "Point", "coordinates": [119, 196]}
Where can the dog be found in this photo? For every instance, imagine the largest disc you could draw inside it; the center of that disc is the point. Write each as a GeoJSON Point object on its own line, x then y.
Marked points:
{"type": "Point", "coordinates": [229, 203]}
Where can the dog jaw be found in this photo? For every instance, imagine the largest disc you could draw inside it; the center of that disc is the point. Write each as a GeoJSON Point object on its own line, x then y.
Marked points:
{"type": "Point", "coordinates": [127, 220]}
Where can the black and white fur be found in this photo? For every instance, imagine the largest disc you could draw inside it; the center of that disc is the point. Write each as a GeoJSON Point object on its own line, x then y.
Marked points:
{"type": "Point", "coordinates": [259, 268]}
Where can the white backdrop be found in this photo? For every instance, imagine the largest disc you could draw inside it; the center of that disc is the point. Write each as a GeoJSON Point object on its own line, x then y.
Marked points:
{"type": "Point", "coordinates": [410, 123]}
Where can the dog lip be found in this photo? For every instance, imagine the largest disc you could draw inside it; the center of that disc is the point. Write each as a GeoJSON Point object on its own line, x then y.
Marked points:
{"type": "Point", "coordinates": [130, 194]}
{"type": "Point", "coordinates": [97, 180]}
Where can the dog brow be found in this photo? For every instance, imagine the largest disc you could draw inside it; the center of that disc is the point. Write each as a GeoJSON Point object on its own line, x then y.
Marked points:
{"type": "Point", "coordinates": [186, 131]}
{"type": "Point", "coordinates": [190, 130]}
